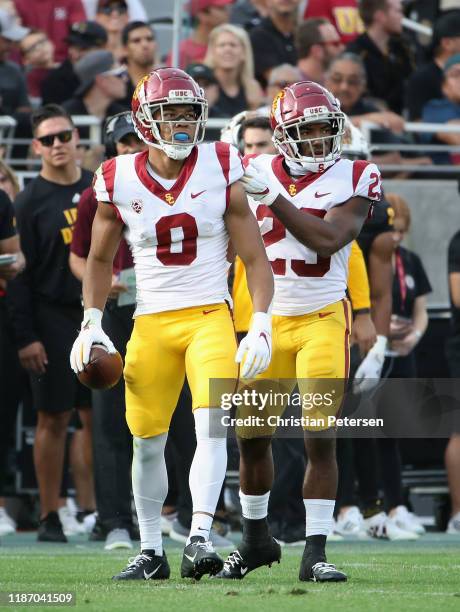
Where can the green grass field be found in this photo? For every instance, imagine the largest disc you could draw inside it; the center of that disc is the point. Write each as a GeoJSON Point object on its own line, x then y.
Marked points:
{"type": "Point", "coordinates": [383, 576]}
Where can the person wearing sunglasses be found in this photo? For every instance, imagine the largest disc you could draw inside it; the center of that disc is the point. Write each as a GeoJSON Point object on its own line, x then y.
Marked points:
{"type": "Point", "coordinates": [113, 15]}
{"type": "Point", "coordinates": [46, 308]}
{"type": "Point", "coordinates": [317, 43]}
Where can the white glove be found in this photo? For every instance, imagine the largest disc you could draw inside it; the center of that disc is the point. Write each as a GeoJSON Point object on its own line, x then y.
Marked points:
{"type": "Point", "coordinates": [370, 369]}
{"type": "Point", "coordinates": [91, 333]}
{"type": "Point", "coordinates": [256, 346]}
{"type": "Point", "coordinates": [257, 185]}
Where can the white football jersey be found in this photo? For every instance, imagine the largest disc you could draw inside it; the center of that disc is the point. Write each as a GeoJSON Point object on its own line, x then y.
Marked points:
{"type": "Point", "coordinates": [304, 281]}
{"type": "Point", "coordinates": [177, 236]}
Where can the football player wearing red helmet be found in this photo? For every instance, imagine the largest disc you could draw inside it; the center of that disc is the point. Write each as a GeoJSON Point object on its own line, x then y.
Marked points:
{"type": "Point", "coordinates": [179, 203]}
{"type": "Point", "coordinates": [311, 205]}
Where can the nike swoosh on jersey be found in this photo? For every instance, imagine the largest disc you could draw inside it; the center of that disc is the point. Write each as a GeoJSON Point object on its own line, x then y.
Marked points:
{"type": "Point", "coordinates": [191, 559]}
{"type": "Point", "coordinates": [195, 195]}
{"type": "Point", "coordinates": [147, 576]}
{"type": "Point", "coordinates": [321, 195]}
{"type": "Point", "coordinates": [209, 311]}
{"type": "Point", "coordinates": [322, 315]}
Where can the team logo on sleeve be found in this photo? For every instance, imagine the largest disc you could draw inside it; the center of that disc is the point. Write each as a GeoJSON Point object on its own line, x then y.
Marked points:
{"type": "Point", "coordinates": [137, 206]}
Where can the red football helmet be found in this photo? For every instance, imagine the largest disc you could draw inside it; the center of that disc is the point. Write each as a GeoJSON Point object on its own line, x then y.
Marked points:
{"type": "Point", "coordinates": [157, 90]}
{"type": "Point", "coordinates": [301, 103]}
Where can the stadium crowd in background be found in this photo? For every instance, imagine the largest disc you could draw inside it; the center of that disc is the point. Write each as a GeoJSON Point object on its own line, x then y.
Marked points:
{"type": "Point", "coordinates": [88, 56]}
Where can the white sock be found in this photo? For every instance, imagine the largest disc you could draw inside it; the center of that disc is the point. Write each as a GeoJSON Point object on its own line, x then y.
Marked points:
{"type": "Point", "coordinates": [254, 506]}
{"type": "Point", "coordinates": [208, 468]}
{"type": "Point", "coordinates": [150, 487]}
{"type": "Point", "coordinates": [201, 526]}
{"type": "Point", "coordinates": [319, 516]}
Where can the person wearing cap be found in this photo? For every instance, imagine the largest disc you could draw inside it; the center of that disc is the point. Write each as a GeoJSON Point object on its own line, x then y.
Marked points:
{"type": "Point", "coordinates": [113, 15]}
{"type": "Point", "coordinates": [140, 46]}
{"type": "Point", "coordinates": [51, 17]}
{"type": "Point", "coordinates": [204, 76]}
{"type": "Point", "coordinates": [101, 85]}
{"type": "Point", "coordinates": [426, 82]}
{"type": "Point", "coordinates": [445, 110]}
{"type": "Point", "coordinates": [111, 438]}
{"type": "Point", "coordinates": [13, 88]}
{"type": "Point", "coordinates": [206, 15]}
{"type": "Point", "coordinates": [61, 83]}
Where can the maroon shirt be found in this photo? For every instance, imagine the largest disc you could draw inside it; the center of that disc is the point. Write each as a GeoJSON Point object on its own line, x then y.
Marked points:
{"type": "Point", "coordinates": [53, 17]}
{"type": "Point", "coordinates": [81, 238]}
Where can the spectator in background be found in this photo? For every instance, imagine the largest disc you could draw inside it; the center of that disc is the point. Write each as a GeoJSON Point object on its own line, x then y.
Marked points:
{"type": "Point", "coordinates": [207, 15]}
{"type": "Point", "coordinates": [37, 53]}
{"type": "Point", "coordinates": [53, 17]}
{"type": "Point", "coordinates": [101, 88]}
{"type": "Point", "coordinates": [140, 54]}
{"type": "Point", "coordinates": [445, 111]}
{"type": "Point", "coordinates": [46, 305]}
{"type": "Point", "coordinates": [317, 43]}
{"type": "Point", "coordinates": [452, 454]}
{"type": "Point", "coordinates": [230, 56]}
{"type": "Point", "coordinates": [280, 77]}
{"type": "Point", "coordinates": [346, 79]}
{"type": "Point", "coordinates": [206, 79]}
{"type": "Point", "coordinates": [425, 83]}
{"type": "Point", "coordinates": [273, 40]}
{"type": "Point", "coordinates": [386, 56]}
{"type": "Point", "coordinates": [13, 88]}
{"type": "Point", "coordinates": [248, 13]}
{"type": "Point", "coordinates": [111, 438]}
{"type": "Point", "coordinates": [61, 83]}
{"type": "Point", "coordinates": [343, 14]}
{"type": "Point", "coordinates": [136, 9]}
{"type": "Point", "coordinates": [9, 364]}
{"type": "Point", "coordinates": [256, 134]}
{"type": "Point", "coordinates": [8, 181]}
{"type": "Point", "coordinates": [113, 16]}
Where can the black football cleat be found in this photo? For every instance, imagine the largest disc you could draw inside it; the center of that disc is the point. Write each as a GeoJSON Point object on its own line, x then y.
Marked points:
{"type": "Point", "coordinates": [247, 558]}
{"type": "Point", "coordinates": [50, 529]}
{"type": "Point", "coordinates": [145, 566]}
{"type": "Point", "coordinates": [320, 571]}
{"type": "Point", "coordinates": [200, 558]}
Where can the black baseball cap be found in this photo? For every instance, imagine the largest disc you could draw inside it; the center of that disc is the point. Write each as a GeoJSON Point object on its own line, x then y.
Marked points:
{"type": "Point", "coordinates": [447, 26]}
{"type": "Point", "coordinates": [120, 126]}
{"type": "Point", "coordinates": [201, 72]}
{"type": "Point", "coordinates": [87, 34]}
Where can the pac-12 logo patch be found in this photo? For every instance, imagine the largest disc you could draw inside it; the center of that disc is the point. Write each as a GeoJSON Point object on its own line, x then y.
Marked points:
{"type": "Point", "coordinates": [137, 206]}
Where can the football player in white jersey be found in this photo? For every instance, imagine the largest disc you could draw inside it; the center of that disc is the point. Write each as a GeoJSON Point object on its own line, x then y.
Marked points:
{"type": "Point", "coordinates": [310, 205]}
{"type": "Point", "coordinates": [178, 204]}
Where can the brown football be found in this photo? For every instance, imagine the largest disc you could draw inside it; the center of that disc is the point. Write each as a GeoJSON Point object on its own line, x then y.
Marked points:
{"type": "Point", "coordinates": [104, 369]}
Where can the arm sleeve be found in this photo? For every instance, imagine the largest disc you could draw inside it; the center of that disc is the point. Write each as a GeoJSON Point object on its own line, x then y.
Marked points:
{"type": "Point", "coordinates": [103, 182]}
{"type": "Point", "coordinates": [230, 161]}
{"type": "Point", "coordinates": [81, 237]}
{"type": "Point", "coordinates": [7, 220]}
{"type": "Point", "coordinates": [358, 282]}
{"type": "Point", "coordinates": [19, 294]}
{"type": "Point", "coordinates": [367, 181]}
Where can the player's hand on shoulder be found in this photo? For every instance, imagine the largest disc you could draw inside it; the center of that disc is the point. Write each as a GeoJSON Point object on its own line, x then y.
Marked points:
{"type": "Point", "coordinates": [255, 348]}
{"type": "Point", "coordinates": [91, 333]}
{"type": "Point", "coordinates": [256, 184]}
{"type": "Point", "coordinates": [370, 369]}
